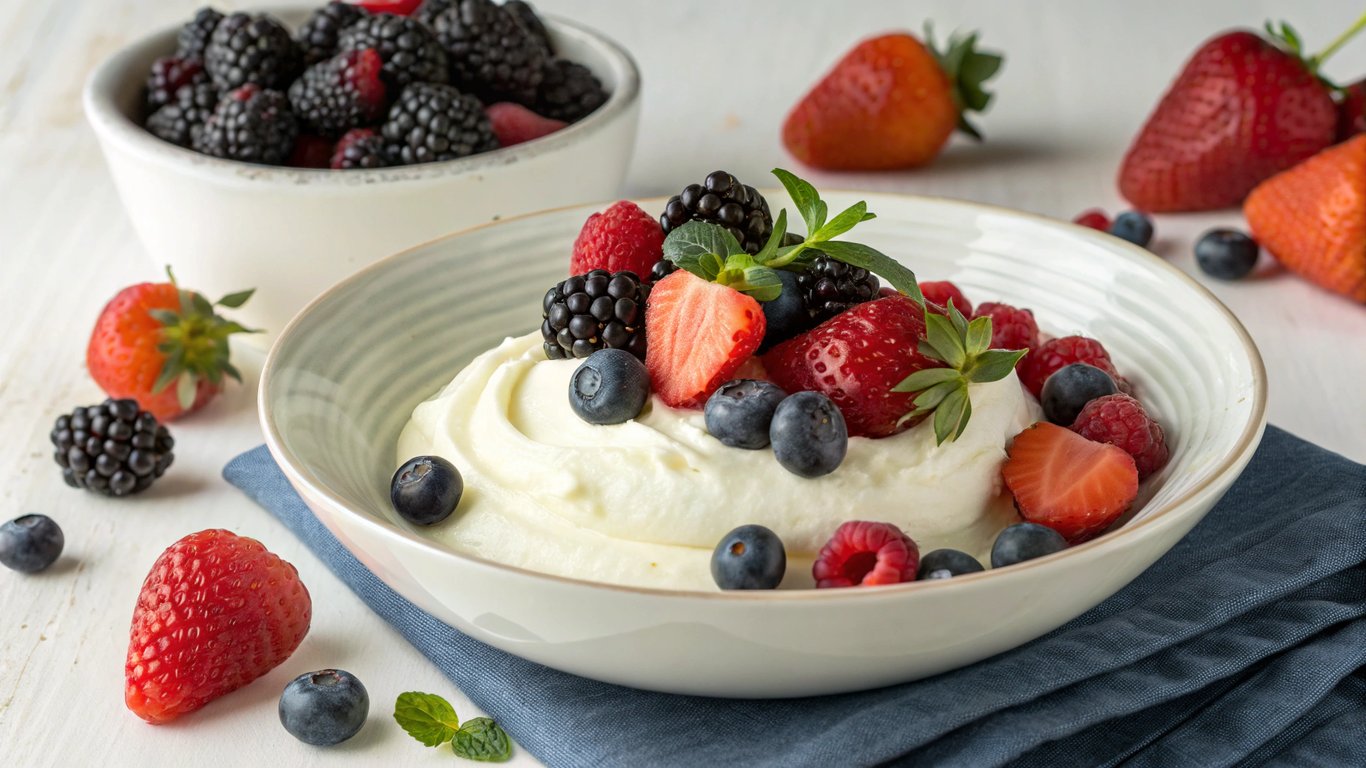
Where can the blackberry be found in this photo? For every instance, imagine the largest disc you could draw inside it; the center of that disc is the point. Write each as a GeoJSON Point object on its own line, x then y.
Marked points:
{"type": "Point", "coordinates": [179, 121]}
{"type": "Point", "coordinates": [360, 148]}
{"type": "Point", "coordinates": [662, 269]}
{"type": "Point", "coordinates": [597, 310]}
{"type": "Point", "coordinates": [251, 49]}
{"type": "Point", "coordinates": [250, 124]}
{"type": "Point", "coordinates": [531, 22]}
{"type": "Point", "coordinates": [168, 75]}
{"type": "Point", "coordinates": [430, 122]}
{"type": "Point", "coordinates": [410, 51]}
{"type": "Point", "coordinates": [722, 199]}
{"type": "Point", "coordinates": [341, 93]}
{"type": "Point", "coordinates": [828, 287]}
{"type": "Point", "coordinates": [113, 448]}
{"type": "Point", "coordinates": [568, 92]}
{"type": "Point", "coordinates": [317, 37]}
{"type": "Point", "coordinates": [193, 38]}
{"type": "Point", "coordinates": [491, 53]}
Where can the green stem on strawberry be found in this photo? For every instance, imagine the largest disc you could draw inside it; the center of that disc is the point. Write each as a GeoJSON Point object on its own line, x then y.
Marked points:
{"type": "Point", "coordinates": [968, 69]}
{"type": "Point", "coordinates": [1333, 47]}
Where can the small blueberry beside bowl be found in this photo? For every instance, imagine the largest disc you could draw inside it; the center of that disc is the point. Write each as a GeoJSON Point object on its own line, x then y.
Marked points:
{"type": "Point", "coordinates": [30, 543]}
{"type": "Point", "coordinates": [324, 708]}
{"type": "Point", "coordinates": [1226, 254]}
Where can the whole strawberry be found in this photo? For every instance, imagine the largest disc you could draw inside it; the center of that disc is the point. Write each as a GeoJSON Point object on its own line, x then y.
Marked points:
{"type": "Point", "coordinates": [621, 238]}
{"type": "Point", "coordinates": [1351, 110]}
{"type": "Point", "coordinates": [891, 102]}
{"type": "Point", "coordinates": [216, 612]}
{"type": "Point", "coordinates": [164, 347]}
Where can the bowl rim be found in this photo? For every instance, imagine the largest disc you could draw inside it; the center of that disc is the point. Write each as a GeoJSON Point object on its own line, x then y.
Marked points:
{"type": "Point", "coordinates": [1167, 514]}
{"type": "Point", "coordinates": [113, 126]}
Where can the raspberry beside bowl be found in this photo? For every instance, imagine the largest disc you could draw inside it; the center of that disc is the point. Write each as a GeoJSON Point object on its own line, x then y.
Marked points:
{"type": "Point", "coordinates": [290, 233]}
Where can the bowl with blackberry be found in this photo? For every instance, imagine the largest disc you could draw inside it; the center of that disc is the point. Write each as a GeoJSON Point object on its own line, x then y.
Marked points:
{"type": "Point", "coordinates": [286, 148]}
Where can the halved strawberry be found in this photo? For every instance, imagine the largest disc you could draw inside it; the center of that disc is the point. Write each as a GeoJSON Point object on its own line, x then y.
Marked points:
{"type": "Point", "coordinates": [1070, 484]}
{"type": "Point", "coordinates": [699, 334]}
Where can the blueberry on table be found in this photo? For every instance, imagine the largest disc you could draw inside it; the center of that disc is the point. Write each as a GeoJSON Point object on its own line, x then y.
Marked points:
{"type": "Point", "coordinates": [426, 490]}
{"type": "Point", "coordinates": [1134, 227]}
{"type": "Point", "coordinates": [809, 435]}
{"type": "Point", "coordinates": [1070, 388]}
{"type": "Point", "coordinates": [30, 543]}
{"type": "Point", "coordinates": [749, 557]}
{"type": "Point", "coordinates": [947, 563]}
{"type": "Point", "coordinates": [1226, 254]}
{"type": "Point", "coordinates": [609, 387]}
{"type": "Point", "coordinates": [1025, 541]}
{"type": "Point", "coordinates": [740, 412]}
{"type": "Point", "coordinates": [325, 707]}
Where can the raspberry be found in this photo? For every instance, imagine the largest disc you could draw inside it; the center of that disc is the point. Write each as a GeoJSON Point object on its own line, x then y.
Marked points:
{"type": "Point", "coordinates": [1011, 328]}
{"type": "Point", "coordinates": [1094, 218]}
{"type": "Point", "coordinates": [1047, 358]}
{"type": "Point", "coordinates": [1121, 421]}
{"type": "Point", "coordinates": [515, 124]}
{"type": "Point", "coordinates": [621, 238]}
{"type": "Point", "coordinates": [341, 93]}
{"type": "Point", "coordinates": [942, 291]}
{"type": "Point", "coordinates": [866, 554]}
{"type": "Point", "coordinates": [360, 148]}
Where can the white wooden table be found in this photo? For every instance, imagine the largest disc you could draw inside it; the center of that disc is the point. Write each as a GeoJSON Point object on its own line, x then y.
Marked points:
{"type": "Point", "coordinates": [1078, 80]}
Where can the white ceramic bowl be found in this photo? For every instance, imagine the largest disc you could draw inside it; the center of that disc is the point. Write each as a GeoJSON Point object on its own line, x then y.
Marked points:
{"type": "Point", "coordinates": [291, 233]}
{"type": "Point", "coordinates": [344, 377]}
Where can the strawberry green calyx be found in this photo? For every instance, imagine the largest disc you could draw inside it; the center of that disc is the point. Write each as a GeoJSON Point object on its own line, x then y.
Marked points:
{"type": "Point", "coordinates": [1285, 36]}
{"type": "Point", "coordinates": [194, 341]}
{"type": "Point", "coordinates": [968, 69]}
{"type": "Point", "coordinates": [964, 347]}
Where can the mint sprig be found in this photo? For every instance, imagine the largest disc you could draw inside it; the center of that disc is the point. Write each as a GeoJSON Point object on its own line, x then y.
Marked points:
{"type": "Point", "coordinates": [482, 740]}
{"type": "Point", "coordinates": [431, 720]}
{"type": "Point", "coordinates": [964, 346]}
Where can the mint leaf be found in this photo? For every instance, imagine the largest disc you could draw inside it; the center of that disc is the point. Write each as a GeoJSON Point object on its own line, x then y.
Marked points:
{"type": "Point", "coordinates": [873, 260]}
{"type": "Point", "coordinates": [235, 300]}
{"type": "Point", "coordinates": [690, 245]}
{"type": "Point", "coordinates": [926, 378]}
{"type": "Point", "coordinates": [805, 197]}
{"type": "Point", "coordinates": [993, 365]}
{"type": "Point", "coordinates": [845, 221]}
{"type": "Point", "coordinates": [482, 740]}
{"type": "Point", "coordinates": [426, 717]}
{"type": "Point", "coordinates": [775, 240]}
{"type": "Point", "coordinates": [951, 417]}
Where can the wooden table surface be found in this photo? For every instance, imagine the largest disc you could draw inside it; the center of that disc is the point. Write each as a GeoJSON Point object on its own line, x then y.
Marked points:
{"type": "Point", "coordinates": [1079, 78]}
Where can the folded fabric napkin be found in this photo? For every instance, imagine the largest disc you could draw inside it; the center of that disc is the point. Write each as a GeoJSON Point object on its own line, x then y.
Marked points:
{"type": "Point", "coordinates": [1244, 645]}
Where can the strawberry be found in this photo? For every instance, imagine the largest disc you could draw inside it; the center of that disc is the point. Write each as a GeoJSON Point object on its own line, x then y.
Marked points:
{"type": "Point", "coordinates": [1312, 218]}
{"type": "Point", "coordinates": [622, 238]}
{"type": "Point", "coordinates": [515, 124]}
{"type": "Point", "coordinates": [891, 102]}
{"type": "Point", "coordinates": [216, 611]}
{"type": "Point", "coordinates": [1242, 109]}
{"type": "Point", "coordinates": [699, 333]}
{"type": "Point", "coordinates": [1070, 484]}
{"type": "Point", "coordinates": [1351, 110]}
{"type": "Point", "coordinates": [395, 7]}
{"type": "Point", "coordinates": [164, 347]}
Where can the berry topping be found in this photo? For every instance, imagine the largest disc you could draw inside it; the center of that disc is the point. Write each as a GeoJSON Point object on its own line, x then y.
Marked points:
{"type": "Point", "coordinates": [1226, 254]}
{"type": "Point", "coordinates": [1094, 218]}
{"type": "Point", "coordinates": [193, 38]}
{"type": "Point", "coordinates": [721, 199]}
{"type": "Point", "coordinates": [1121, 421]}
{"type": "Point", "coordinates": [1011, 328]}
{"type": "Point", "coordinates": [490, 52]}
{"type": "Point", "coordinates": [340, 93]}
{"type": "Point", "coordinates": [410, 51]}
{"type": "Point", "coordinates": [431, 122]}
{"type": "Point", "coordinates": [317, 36]}
{"type": "Point", "coordinates": [1134, 227]}
{"type": "Point", "coordinates": [325, 707]}
{"type": "Point", "coordinates": [179, 121]}
{"type": "Point", "coordinates": [569, 91]}
{"type": "Point", "coordinates": [592, 311]}
{"type": "Point", "coordinates": [808, 434]}
{"type": "Point", "coordinates": [785, 316]}
{"type": "Point", "coordinates": [359, 148]}
{"type": "Point", "coordinates": [426, 490]}
{"type": "Point", "coordinates": [749, 557]}
{"type": "Point", "coordinates": [621, 238]}
{"type": "Point", "coordinates": [700, 334]}
{"type": "Point", "coordinates": [1069, 389]}
{"type": "Point", "coordinates": [829, 287]}
{"type": "Point", "coordinates": [112, 449]}
{"type": "Point", "coordinates": [740, 413]}
{"type": "Point", "coordinates": [942, 292]}
{"type": "Point", "coordinates": [515, 124]}
{"type": "Point", "coordinates": [216, 612]}
{"type": "Point", "coordinates": [662, 269]}
{"type": "Point", "coordinates": [1025, 541]}
{"type": "Point", "coordinates": [947, 563]}
{"type": "Point", "coordinates": [30, 543]}
{"type": "Point", "coordinates": [1050, 356]}
{"type": "Point", "coordinates": [311, 151]}
{"type": "Point", "coordinates": [252, 49]}
{"type": "Point", "coordinates": [610, 387]}
{"type": "Point", "coordinates": [531, 22]}
{"type": "Point", "coordinates": [395, 7]}
{"type": "Point", "coordinates": [167, 76]}
{"type": "Point", "coordinates": [1071, 484]}
{"type": "Point", "coordinates": [250, 125]}
{"type": "Point", "coordinates": [866, 554]}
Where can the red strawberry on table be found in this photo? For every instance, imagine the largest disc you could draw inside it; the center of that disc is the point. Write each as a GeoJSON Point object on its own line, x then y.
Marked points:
{"type": "Point", "coordinates": [622, 238]}
{"type": "Point", "coordinates": [699, 334]}
{"type": "Point", "coordinates": [216, 612]}
{"type": "Point", "coordinates": [1073, 485]}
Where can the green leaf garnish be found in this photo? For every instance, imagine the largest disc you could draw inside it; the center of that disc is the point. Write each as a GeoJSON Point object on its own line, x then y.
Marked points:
{"type": "Point", "coordinates": [482, 740]}
{"type": "Point", "coordinates": [426, 717]}
{"type": "Point", "coordinates": [805, 197]}
{"type": "Point", "coordinates": [235, 300]}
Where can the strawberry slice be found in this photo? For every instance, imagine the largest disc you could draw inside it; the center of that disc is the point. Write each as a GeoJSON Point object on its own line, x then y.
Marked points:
{"type": "Point", "coordinates": [699, 333]}
{"type": "Point", "coordinates": [1070, 484]}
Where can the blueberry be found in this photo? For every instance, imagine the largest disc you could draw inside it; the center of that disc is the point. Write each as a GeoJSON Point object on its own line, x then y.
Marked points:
{"type": "Point", "coordinates": [325, 707]}
{"type": "Point", "coordinates": [1134, 227]}
{"type": "Point", "coordinates": [1025, 541]}
{"type": "Point", "coordinates": [609, 387]}
{"type": "Point", "coordinates": [787, 315]}
{"type": "Point", "coordinates": [30, 543]}
{"type": "Point", "coordinates": [740, 412]}
{"type": "Point", "coordinates": [808, 434]}
{"type": "Point", "coordinates": [947, 563]}
{"type": "Point", "coordinates": [1226, 254]}
{"type": "Point", "coordinates": [749, 557]}
{"type": "Point", "coordinates": [426, 490]}
{"type": "Point", "coordinates": [1070, 388]}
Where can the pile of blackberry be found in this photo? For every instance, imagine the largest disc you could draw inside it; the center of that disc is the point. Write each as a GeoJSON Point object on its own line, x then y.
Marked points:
{"type": "Point", "coordinates": [437, 70]}
{"type": "Point", "coordinates": [829, 287]}
{"type": "Point", "coordinates": [597, 310]}
{"type": "Point", "coordinates": [722, 199]}
{"type": "Point", "coordinates": [113, 448]}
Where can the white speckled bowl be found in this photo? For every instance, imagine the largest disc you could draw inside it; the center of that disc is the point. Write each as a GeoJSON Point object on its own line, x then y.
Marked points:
{"type": "Point", "coordinates": [344, 377]}
{"type": "Point", "coordinates": [291, 233]}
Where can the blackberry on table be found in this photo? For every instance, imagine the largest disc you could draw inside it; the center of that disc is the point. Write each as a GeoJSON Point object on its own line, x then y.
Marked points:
{"type": "Point", "coordinates": [526, 15]}
{"type": "Point", "coordinates": [252, 49]}
{"type": "Point", "coordinates": [722, 199]}
{"type": "Point", "coordinates": [568, 92]}
{"type": "Point", "coordinates": [829, 286]}
{"type": "Point", "coordinates": [410, 51]}
{"type": "Point", "coordinates": [113, 448]}
{"type": "Point", "coordinates": [317, 36]}
{"type": "Point", "coordinates": [179, 121]}
{"type": "Point", "coordinates": [430, 122]}
{"type": "Point", "coordinates": [250, 124]}
{"type": "Point", "coordinates": [359, 148]}
{"type": "Point", "coordinates": [167, 76]}
{"type": "Point", "coordinates": [597, 310]}
{"type": "Point", "coordinates": [491, 54]}
{"type": "Point", "coordinates": [341, 93]}
{"type": "Point", "coordinates": [193, 38]}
